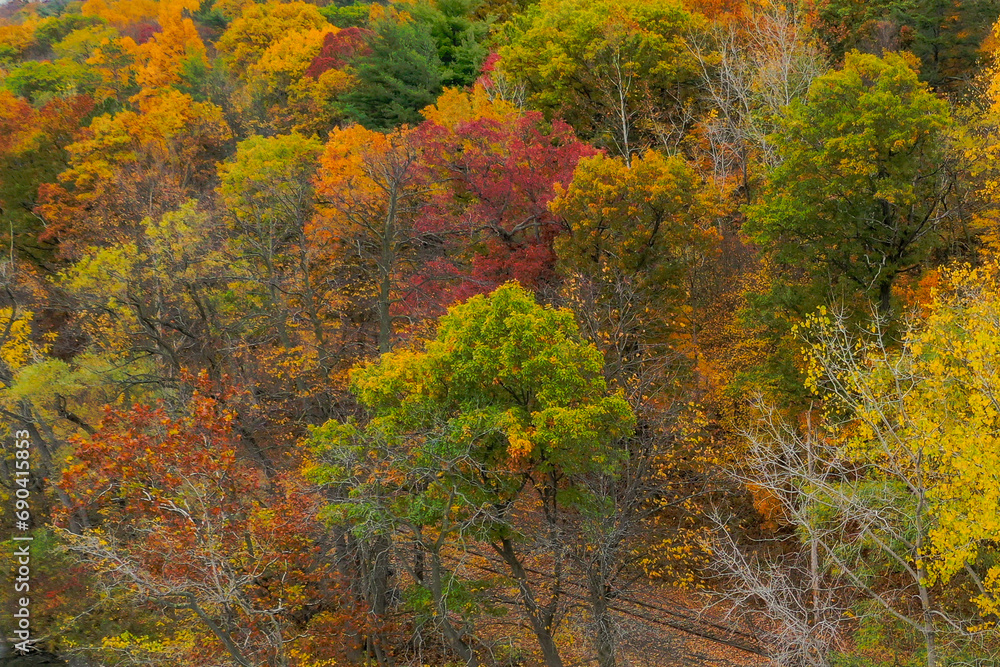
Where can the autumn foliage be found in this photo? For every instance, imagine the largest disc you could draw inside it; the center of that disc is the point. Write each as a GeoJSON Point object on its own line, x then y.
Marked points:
{"type": "Point", "coordinates": [504, 333]}
{"type": "Point", "coordinates": [174, 514]}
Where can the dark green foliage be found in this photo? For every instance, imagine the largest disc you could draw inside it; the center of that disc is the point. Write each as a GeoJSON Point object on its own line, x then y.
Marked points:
{"type": "Point", "coordinates": [862, 186]}
{"type": "Point", "coordinates": [210, 17]}
{"type": "Point", "coordinates": [458, 38]}
{"type": "Point", "coordinates": [410, 62]}
{"type": "Point", "coordinates": [56, 7]}
{"type": "Point", "coordinates": [946, 35]}
{"type": "Point", "coordinates": [399, 77]}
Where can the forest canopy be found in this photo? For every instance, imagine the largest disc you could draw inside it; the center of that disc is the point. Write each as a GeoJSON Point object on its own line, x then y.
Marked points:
{"type": "Point", "coordinates": [500, 333]}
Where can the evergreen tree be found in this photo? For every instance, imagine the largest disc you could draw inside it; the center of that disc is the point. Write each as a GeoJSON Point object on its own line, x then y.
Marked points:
{"type": "Point", "coordinates": [397, 78]}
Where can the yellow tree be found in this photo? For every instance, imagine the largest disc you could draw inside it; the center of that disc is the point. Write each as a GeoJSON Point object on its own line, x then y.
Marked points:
{"type": "Point", "coordinates": [121, 13]}
{"type": "Point", "coordinates": [131, 165]}
{"type": "Point", "coordinates": [158, 61]}
{"type": "Point", "coordinates": [260, 25]}
{"type": "Point", "coordinates": [281, 81]}
{"type": "Point", "coordinates": [919, 422]}
{"type": "Point", "coordinates": [455, 106]}
{"type": "Point", "coordinates": [271, 47]}
{"type": "Point", "coordinates": [635, 233]}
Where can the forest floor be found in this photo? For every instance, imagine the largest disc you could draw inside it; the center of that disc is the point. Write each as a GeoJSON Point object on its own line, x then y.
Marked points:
{"type": "Point", "coordinates": [660, 625]}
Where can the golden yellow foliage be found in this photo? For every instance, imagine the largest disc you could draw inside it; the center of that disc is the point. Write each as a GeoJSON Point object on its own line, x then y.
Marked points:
{"type": "Point", "coordinates": [259, 26]}
{"type": "Point", "coordinates": [16, 347]}
{"type": "Point", "coordinates": [928, 411]}
{"type": "Point", "coordinates": [456, 106]}
{"type": "Point", "coordinates": [17, 37]}
{"type": "Point", "coordinates": [158, 61]}
{"type": "Point", "coordinates": [121, 13]}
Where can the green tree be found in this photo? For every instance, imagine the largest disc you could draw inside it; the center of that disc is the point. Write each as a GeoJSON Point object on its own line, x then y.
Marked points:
{"type": "Point", "coordinates": [39, 82]}
{"type": "Point", "coordinates": [56, 28]}
{"type": "Point", "coordinates": [507, 406]}
{"type": "Point", "coordinates": [945, 35]}
{"type": "Point", "coordinates": [347, 16]}
{"type": "Point", "coordinates": [399, 76]}
{"type": "Point", "coordinates": [620, 73]}
{"type": "Point", "coordinates": [863, 183]}
{"type": "Point", "coordinates": [458, 38]}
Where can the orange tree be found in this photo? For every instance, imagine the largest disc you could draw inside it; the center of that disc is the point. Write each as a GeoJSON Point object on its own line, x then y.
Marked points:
{"type": "Point", "coordinates": [176, 519]}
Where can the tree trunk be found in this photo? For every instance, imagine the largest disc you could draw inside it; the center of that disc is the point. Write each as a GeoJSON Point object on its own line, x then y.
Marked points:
{"type": "Point", "coordinates": [605, 635]}
{"type": "Point", "coordinates": [930, 634]}
{"type": "Point", "coordinates": [454, 637]}
{"type": "Point", "coordinates": [885, 299]}
{"type": "Point", "coordinates": [542, 630]}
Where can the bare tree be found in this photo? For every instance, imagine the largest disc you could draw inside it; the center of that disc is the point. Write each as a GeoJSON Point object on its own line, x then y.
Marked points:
{"type": "Point", "coordinates": [861, 507]}
{"type": "Point", "coordinates": [750, 72]}
{"type": "Point", "coordinates": [797, 593]}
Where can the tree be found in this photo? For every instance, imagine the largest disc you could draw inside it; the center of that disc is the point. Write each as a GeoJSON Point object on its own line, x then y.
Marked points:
{"type": "Point", "coordinates": [752, 67]}
{"type": "Point", "coordinates": [147, 309]}
{"type": "Point", "coordinates": [927, 407]}
{"type": "Point", "coordinates": [289, 315]}
{"type": "Point", "coordinates": [636, 236]}
{"type": "Point", "coordinates": [269, 48]}
{"type": "Point", "coordinates": [121, 13]}
{"type": "Point", "coordinates": [863, 180]}
{"type": "Point", "coordinates": [290, 89]}
{"type": "Point", "coordinates": [181, 522]}
{"type": "Point", "coordinates": [500, 168]}
{"type": "Point", "coordinates": [636, 233]}
{"type": "Point", "coordinates": [267, 191]}
{"type": "Point", "coordinates": [39, 82]}
{"type": "Point", "coordinates": [260, 25]}
{"type": "Point", "coordinates": [650, 220]}
{"type": "Point", "coordinates": [130, 165]}
{"type": "Point", "coordinates": [191, 291]}
{"type": "Point", "coordinates": [797, 480]}
{"type": "Point", "coordinates": [73, 36]}
{"type": "Point", "coordinates": [458, 38]}
{"type": "Point", "coordinates": [503, 412]}
{"type": "Point", "coordinates": [33, 152]}
{"type": "Point", "coordinates": [619, 73]}
{"type": "Point", "coordinates": [370, 188]}
{"type": "Point", "coordinates": [81, 44]}
{"type": "Point", "coordinates": [158, 61]}
{"type": "Point", "coordinates": [17, 37]}
{"type": "Point", "coordinates": [398, 76]}
{"type": "Point", "coordinates": [945, 36]}
{"type": "Point", "coordinates": [20, 407]}
{"type": "Point", "coordinates": [900, 472]}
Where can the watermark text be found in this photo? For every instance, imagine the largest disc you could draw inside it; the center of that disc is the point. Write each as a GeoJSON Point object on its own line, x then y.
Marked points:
{"type": "Point", "coordinates": [22, 541]}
